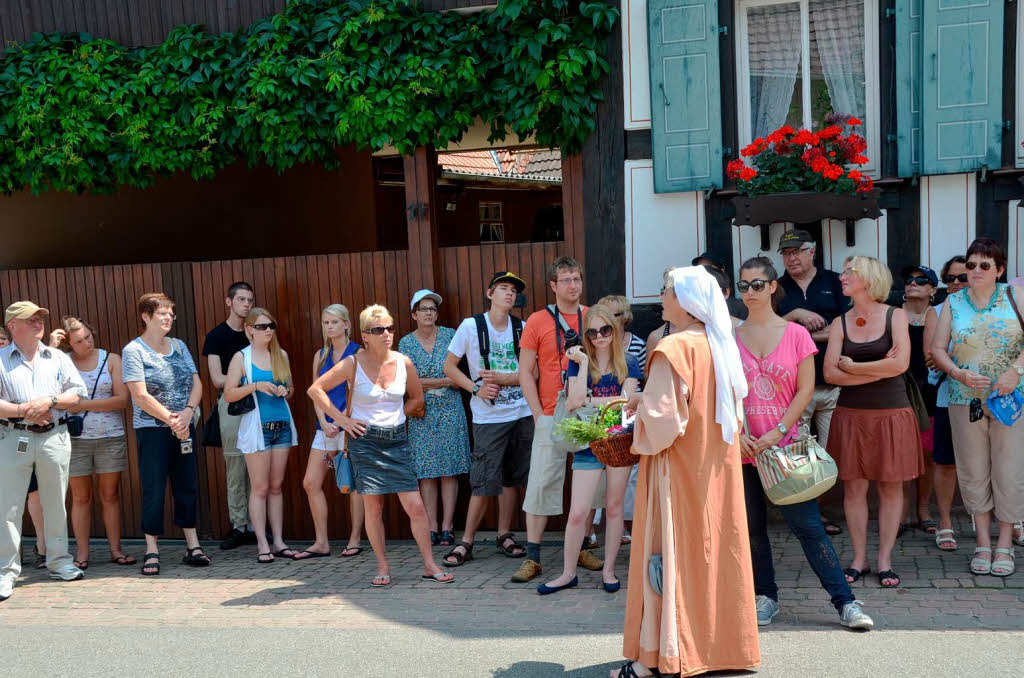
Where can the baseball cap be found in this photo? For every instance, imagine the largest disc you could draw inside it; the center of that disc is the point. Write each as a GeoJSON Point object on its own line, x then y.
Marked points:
{"type": "Point", "coordinates": [933, 278]}
{"type": "Point", "coordinates": [715, 260]}
{"type": "Point", "coordinates": [425, 294]}
{"type": "Point", "coordinates": [509, 277]}
{"type": "Point", "coordinates": [22, 310]}
{"type": "Point", "coordinates": [795, 238]}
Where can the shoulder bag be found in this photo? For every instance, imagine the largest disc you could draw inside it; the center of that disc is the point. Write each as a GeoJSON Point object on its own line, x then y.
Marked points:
{"type": "Point", "coordinates": [344, 475]}
{"type": "Point", "coordinates": [798, 472]}
{"type": "Point", "coordinates": [76, 422]}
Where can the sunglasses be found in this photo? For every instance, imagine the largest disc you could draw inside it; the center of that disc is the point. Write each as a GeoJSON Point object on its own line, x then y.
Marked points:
{"type": "Point", "coordinates": [605, 331]}
{"type": "Point", "coordinates": [918, 280]}
{"type": "Point", "coordinates": [984, 265]}
{"type": "Point", "coordinates": [949, 279]}
{"type": "Point", "coordinates": [975, 413]}
{"type": "Point", "coordinates": [263, 327]}
{"type": "Point", "coordinates": [390, 329]}
{"type": "Point", "coordinates": [756, 285]}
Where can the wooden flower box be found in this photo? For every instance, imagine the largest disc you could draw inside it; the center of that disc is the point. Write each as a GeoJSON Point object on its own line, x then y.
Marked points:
{"type": "Point", "coordinates": [761, 210]}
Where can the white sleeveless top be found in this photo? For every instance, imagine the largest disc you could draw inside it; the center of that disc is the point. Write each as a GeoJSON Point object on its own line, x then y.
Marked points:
{"type": "Point", "coordinates": [378, 406]}
{"type": "Point", "coordinates": [101, 424]}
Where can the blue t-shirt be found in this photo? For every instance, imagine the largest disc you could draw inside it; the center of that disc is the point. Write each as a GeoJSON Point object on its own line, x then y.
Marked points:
{"type": "Point", "coordinates": [272, 408]}
{"type": "Point", "coordinates": [339, 394]}
{"type": "Point", "coordinates": [608, 385]}
{"type": "Point", "coordinates": [168, 378]}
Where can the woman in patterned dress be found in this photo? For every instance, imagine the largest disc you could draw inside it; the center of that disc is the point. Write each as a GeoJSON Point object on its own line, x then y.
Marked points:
{"type": "Point", "coordinates": [440, 440]}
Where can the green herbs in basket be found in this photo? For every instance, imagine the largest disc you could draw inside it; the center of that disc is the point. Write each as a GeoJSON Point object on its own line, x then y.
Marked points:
{"type": "Point", "coordinates": [584, 432]}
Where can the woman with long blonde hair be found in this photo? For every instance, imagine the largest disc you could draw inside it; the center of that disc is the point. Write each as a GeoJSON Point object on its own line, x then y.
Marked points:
{"type": "Point", "coordinates": [329, 439]}
{"type": "Point", "coordinates": [599, 371]}
{"type": "Point", "coordinates": [266, 434]}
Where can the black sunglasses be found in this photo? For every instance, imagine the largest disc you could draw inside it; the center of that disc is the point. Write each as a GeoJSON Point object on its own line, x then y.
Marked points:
{"type": "Point", "coordinates": [757, 285]}
{"type": "Point", "coordinates": [949, 279]}
{"type": "Point", "coordinates": [985, 265]}
{"type": "Point", "coordinates": [605, 331]}
{"type": "Point", "coordinates": [975, 413]}
{"type": "Point", "coordinates": [390, 329]}
{"type": "Point", "coordinates": [262, 327]}
{"type": "Point", "coordinates": [917, 280]}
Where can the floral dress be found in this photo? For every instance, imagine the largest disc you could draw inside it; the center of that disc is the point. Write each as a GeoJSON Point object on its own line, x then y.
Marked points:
{"type": "Point", "coordinates": [439, 440]}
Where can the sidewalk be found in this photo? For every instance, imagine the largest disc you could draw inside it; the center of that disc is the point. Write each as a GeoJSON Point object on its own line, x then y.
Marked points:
{"type": "Point", "coordinates": [236, 592]}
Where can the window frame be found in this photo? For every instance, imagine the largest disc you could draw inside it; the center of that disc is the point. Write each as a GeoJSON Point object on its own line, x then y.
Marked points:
{"type": "Point", "coordinates": [872, 82]}
{"type": "Point", "coordinates": [1018, 78]}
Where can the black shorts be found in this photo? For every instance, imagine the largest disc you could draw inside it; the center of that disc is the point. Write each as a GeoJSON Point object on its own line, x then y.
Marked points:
{"type": "Point", "coordinates": [33, 484]}
{"type": "Point", "coordinates": [500, 456]}
{"type": "Point", "coordinates": [942, 439]}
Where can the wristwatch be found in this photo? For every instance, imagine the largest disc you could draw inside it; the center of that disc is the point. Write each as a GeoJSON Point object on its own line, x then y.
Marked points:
{"type": "Point", "coordinates": [782, 428]}
{"type": "Point", "coordinates": [476, 389]}
{"type": "Point", "coordinates": [53, 401]}
{"type": "Point", "coordinates": [1018, 369]}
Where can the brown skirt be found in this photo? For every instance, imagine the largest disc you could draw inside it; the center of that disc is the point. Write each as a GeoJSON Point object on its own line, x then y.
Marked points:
{"type": "Point", "coordinates": [881, 445]}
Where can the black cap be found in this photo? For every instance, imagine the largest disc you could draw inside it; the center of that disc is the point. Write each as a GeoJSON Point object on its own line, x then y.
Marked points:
{"type": "Point", "coordinates": [929, 273]}
{"type": "Point", "coordinates": [795, 238]}
{"type": "Point", "coordinates": [715, 260]}
{"type": "Point", "coordinates": [509, 277]}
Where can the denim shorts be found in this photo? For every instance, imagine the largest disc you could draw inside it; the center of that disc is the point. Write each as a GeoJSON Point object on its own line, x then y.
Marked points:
{"type": "Point", "coordinates": [277, 437]}
{"type": "Point", "coordinates": [584, 460]}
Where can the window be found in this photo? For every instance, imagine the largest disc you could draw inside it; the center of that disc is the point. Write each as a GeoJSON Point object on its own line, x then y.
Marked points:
{"type": "Point", "coordinates": [490, 211]}
{"type": "Point", "coordinates": [491, 227]}
{"type": "Point", "coordinates": [800, 60]}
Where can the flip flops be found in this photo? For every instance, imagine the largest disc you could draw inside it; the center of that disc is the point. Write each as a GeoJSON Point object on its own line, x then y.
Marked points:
{"type": "Point", "coordinates": [310, 555]}
{"type": "Point", "coordinates": [440, 578]}
{"type": "Point", "coordinates": [380, 581]}
{"type": "Point", "coordinates": [928, 526]}
{"type": "Point", "coordinates": [355, 549]}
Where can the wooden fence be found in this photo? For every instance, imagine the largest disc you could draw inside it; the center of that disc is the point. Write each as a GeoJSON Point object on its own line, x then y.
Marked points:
{"type": "Point", "coordinates": [295, 289]}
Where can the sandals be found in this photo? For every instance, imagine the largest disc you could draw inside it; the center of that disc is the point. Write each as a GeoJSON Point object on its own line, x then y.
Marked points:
{"type": "Point", "coordinates": [854, 574]}
{"type": "Point", "coordinates": [945, 537]}
{"type": "Point", "coordinates": [459, 558]}
{"type": "Point", "coordinates": [627, 671]}
{"type": "Point", "coordinates": [1004, 568]}
{"type": "Point", "coordinates": [440, 578]}
{"type": "Point", "coordinates": [928, 526]}
{"type": "Point", "coordinates": [122, 559]}
{"type": "Point", "coordinates": [447, 538]}
{"type": "Point", "coordinates": [1018, 534]}
{"type": "Point", "coordinates": [888, 574]}
{"type": "Point", "coordinates": [831, 528]}
{"type": "Point", "coordinates": [513, 549]}
{"type": "Point", "coordinates": [380, 581]}
{"type": "Point", "coordinates": [981, 565]}
{"type": "Point", "coordinates": [289, 554]}
{"type": "Point", "coordinates": [356, 550]}
{"type": "Point", "coordinates": [194, 559]}
{"type": "Point", "coordinates": [265, 558]}
{"type": "Point", "coordinates": [81, 564]}
{"type": "Point", "coordinates": [311, 554]}
{"type": "Point", "coordinates": [903, 529]}
{"type": "Point", "coordinates": [151, 569]}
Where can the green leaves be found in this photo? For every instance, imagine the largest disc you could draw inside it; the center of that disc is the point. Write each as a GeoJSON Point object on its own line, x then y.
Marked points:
{"type": "Point", "coordinates": [83, 114]}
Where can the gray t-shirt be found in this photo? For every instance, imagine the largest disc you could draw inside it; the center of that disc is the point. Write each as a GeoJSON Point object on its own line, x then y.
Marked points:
{"type": "Point", "coordinates": [168, 378]}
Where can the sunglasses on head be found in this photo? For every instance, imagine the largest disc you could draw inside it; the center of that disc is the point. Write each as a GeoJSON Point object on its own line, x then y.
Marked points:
{"type": "Point", "coordinates": [756, 285]}
{"type": "Point", "coordinates": [390, 329]}
{"type": "Point", "coordinates": [949, 279]}
{"type": "Point", "coordinates": [984, 265]}
{"type": "Point", "coordinates": [263, 327]}
{"type": "Point", "coordinates": [605, 331]}
{"type": "Point", "coordinates": [917, 280]}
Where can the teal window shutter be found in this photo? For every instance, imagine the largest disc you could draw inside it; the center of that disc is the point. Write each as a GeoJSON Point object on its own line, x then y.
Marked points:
{"type": "Point", "coordinates": [686, 106]}
{"type": "Point", "coordinates": [961, 85]}
{"type": "Point", "coordinates": [908, 89]}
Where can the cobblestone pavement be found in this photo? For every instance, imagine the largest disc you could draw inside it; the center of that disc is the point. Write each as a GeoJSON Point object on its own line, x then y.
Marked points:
{"type": "Point", "coordinates": [937, 593]}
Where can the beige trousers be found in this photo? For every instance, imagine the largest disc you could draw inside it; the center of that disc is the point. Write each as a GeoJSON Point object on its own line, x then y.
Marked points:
{"type": "Point", "coordinates": [235, 472]}
{"type": "Point", "coordinates": [51, 454]}
{"type": "Point", "coordinates": [989, 464]}
{"type": "Point", "coordinates": [820, 409]}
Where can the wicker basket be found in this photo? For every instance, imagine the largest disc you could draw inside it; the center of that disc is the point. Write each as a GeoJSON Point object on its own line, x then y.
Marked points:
{"type": "Point", "coordinates": [614, 450]}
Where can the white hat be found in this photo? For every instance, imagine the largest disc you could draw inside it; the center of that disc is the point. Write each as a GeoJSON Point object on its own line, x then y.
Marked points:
{"type": "Point", "coordinates": [424, 294]}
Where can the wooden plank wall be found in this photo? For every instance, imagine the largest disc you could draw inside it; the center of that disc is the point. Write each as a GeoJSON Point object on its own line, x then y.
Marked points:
{"type": "Point", "coordinates": [147, 22]}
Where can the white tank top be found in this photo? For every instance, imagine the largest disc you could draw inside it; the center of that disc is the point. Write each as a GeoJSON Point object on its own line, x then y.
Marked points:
{"type": "Point", "coordinates": [101, 424]}
{"type": "Point", "coordinates": [378, 406]}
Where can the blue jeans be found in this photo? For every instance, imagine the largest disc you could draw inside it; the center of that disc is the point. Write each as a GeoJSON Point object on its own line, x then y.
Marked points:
{"type": "Point", "coordinates": [804, 520]}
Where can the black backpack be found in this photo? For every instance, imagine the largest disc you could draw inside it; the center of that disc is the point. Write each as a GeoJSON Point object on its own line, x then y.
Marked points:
{"type": "Point", "coordinates": [484, 339]}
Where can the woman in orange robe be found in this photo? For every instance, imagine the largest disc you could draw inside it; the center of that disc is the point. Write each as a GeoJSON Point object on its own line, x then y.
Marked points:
{"type": "Point", "coordinates": [689, 499]}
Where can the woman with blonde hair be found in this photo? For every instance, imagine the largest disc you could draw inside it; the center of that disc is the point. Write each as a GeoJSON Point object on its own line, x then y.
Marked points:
{"type": "Point", "coordinates": [385, 389]}
{"type": "Point", "coordinates": [874, 434]}
{"type": "Point", "coordinates": [329, 440]}
{"type": "Point", "coordinates": [266, 433]}
{"type": "Point", "coordinates": [599, 371]}
{"type": "Point", "coordinates": [100, 447]}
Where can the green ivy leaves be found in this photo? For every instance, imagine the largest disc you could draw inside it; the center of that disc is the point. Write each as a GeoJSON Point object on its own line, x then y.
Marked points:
{"type": "Point", "coordinates": [83, 114]}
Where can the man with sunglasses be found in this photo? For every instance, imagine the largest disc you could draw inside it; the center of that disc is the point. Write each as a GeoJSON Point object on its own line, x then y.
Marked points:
{"type": "Point", "coordinates": [502, 424]}
{"type": "Point", "coordinates": [813, 298]}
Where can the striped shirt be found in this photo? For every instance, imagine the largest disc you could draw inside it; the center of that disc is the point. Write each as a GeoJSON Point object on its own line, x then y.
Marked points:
{"type": "Point", "coordinates": [638, 348]}
{"type": "Point", "coordinates": [53, 374]}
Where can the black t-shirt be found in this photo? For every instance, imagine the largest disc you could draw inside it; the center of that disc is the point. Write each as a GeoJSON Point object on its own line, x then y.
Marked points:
{"type": "Point", "coordinates": [224, 342]}
{"type": "Point", "coordinates": [824, 296]}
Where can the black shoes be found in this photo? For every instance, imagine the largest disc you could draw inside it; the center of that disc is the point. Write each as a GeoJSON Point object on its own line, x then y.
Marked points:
{"type": "Point", "coordinates": [237, 538]}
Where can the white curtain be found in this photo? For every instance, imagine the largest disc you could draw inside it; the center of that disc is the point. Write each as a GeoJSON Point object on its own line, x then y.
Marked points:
{"type": "Point", "coordinates": [774, 44]}
{"type": "Point", "coordinates": [837, 30]}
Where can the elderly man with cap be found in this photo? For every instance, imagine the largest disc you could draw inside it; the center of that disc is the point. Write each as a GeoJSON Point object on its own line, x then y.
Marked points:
{"type": "Point", "coordinates": [37, 386]}
{"type": "Point", "coordinates": [814, 298]}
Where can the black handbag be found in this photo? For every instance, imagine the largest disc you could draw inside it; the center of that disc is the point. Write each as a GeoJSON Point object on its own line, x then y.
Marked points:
{"type": "Point", "coordinates": [243, 406]}
{"type": "Point", "coordinates": [211, 430]}
{"type": "Point", "coordinates": [76, 422]}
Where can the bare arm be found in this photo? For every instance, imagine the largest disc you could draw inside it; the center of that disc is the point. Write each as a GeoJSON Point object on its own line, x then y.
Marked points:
{"type": "Point", "coordinates": [147, 403]}
{"type": "Point", "coordinates": [578, 387]}
{"type": "Point", "coordinates": [217, 376]}
{"type": "Point", "coordinates": [832, 373]}
{"type": "Point", "coordinates": [320, 416]}
{"type": "Point", "coordinates": [414, 400]}
{"type": "Point", "coordinates": [341, 372]}
{"type": "Point", "coordinates": [118, 401]}
{"type": "Point", "coordinates": [233, 390]}
{"type": "Point", "coordinates": [527, 364]}
{"type": "Point", "coordinates": [931, 324]}
{"type": "Point", "coordinates": [456, 376]}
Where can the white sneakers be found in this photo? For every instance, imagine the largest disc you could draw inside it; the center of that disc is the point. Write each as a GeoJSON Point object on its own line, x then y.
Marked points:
{"type": "Point", "coordinates": [67, 573]}
{"type": "Point", "coordinates": [6, 588]}
{"type": "Point", "coordinates": [855, 618]}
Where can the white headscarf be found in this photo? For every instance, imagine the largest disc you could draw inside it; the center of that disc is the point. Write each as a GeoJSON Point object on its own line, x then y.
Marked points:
{"type": "Point", "coordinates": [699, 295]}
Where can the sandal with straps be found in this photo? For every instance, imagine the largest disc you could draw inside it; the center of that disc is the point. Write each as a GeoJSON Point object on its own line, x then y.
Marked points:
{"type": "Point", "coordinates": [460, 558]}
{"type": "Point", "coordinates": [513, 550]}
{"type": "Point", "coordinates": [196, 559]}
{"type": "Point", "coordinates": [627, 671]}
{"type": "Point", "coordinates": [981, 565]}
{"type": "Point", "coordinates": [945, 540]}
{"type": "Point", "coordinates": [1004, 568]}
{"type": "Point", "coordinates": [151, 569]}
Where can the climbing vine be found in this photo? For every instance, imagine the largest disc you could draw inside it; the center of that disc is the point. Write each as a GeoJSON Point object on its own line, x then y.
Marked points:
{"type": "Point", "coordinates": [83, 114]}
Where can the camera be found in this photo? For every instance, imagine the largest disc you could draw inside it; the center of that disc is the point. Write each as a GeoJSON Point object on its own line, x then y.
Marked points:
{"type": "Point", "coordinates": [572, 338]}
{"type": "Point", "coordinates": [186, 446]}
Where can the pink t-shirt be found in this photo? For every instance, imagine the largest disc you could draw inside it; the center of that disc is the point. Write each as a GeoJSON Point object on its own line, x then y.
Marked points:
{"type": "Point", "coordinates": [772, 380]}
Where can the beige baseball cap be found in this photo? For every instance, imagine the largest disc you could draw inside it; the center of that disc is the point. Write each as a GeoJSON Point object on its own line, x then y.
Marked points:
{"type": "Point", "coordinates": [22, 310]}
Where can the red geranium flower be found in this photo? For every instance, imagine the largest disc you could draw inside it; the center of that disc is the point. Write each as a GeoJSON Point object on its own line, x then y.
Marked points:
{"type": "Point", "coordinates": [865, 185]}
{"type": "Point", "coordinates": [732, 170]}
{"type": "Point", "coordinates": [854, 121]}
{"type": "Point", "coordinates": [855, 175]}
{"type": "Point", "coordinates": [832, 172]}
{"type": "Point", "coordinates": [805, 138]}
{"type": "Point", "coordinates": [747, 173]}
{"type": "Point", "coordinates": [859, 160]}
{"type": "Point", "coordinates": [830, 132]}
